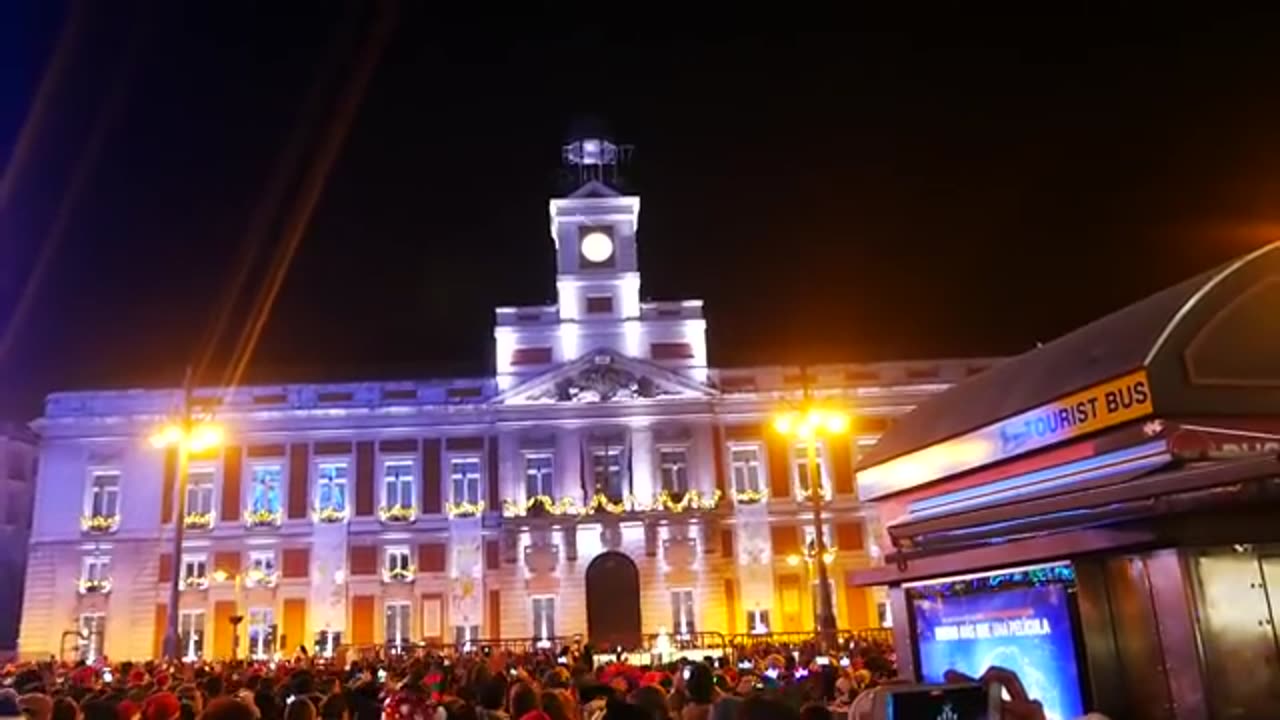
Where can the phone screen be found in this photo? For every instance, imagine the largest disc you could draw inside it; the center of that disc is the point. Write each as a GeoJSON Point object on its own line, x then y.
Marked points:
{"type": "Point", "coordinates": [822, 660]}
{"type": "Point", "coordinates": [382, 675]}
{"type": "Point", "coordinates": [970, 702]}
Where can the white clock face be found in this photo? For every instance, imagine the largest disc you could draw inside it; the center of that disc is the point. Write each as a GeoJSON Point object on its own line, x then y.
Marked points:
{"type": "Point", "coordinates": [597, 247]}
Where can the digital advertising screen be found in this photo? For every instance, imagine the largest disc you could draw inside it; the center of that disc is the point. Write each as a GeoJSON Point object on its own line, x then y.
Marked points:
{"type": "Point", "coordinates": [1025, 627]}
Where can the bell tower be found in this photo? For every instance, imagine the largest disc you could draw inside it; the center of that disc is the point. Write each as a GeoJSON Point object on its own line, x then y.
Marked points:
{"type": "Point", "coordinates": [598, 306]}
{"type": "Point", "coordinates": [594, 231]}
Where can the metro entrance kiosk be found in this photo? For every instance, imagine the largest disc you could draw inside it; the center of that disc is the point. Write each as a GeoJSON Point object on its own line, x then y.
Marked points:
{"type": "Point", "coordinates": [1102, 514]}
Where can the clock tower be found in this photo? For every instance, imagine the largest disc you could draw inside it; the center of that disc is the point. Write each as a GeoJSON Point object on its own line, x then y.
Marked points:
{"type": "Point", "coordinates": [598, 305]}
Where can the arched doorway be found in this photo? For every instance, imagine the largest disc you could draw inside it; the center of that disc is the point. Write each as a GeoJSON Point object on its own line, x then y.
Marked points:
{"type": "Point", "coordinates": [613, 601]}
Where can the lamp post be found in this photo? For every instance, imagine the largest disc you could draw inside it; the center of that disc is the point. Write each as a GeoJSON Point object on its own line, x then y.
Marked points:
{"type": "Point", "coordinates": [236, 617]}
{"type": "Point", "coordinates": [808, 425]}
{"type": "Point", "coordinates": [186, 436]}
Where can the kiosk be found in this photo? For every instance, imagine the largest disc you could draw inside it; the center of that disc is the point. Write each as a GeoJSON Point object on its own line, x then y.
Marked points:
{"type": "Point", "coordinates": [1102, 514]}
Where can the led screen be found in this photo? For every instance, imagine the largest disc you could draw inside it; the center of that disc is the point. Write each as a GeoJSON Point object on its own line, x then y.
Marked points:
{"type": "Point", "coordinates": [1025, 629]}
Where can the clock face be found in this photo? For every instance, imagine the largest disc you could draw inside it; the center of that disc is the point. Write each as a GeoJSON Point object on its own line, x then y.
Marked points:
{"type": "Point", "coordinates": [597, 247]}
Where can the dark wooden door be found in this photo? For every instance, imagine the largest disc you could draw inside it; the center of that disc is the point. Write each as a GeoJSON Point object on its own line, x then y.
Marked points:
{"type": "Point", "coordinates": [613, 602]}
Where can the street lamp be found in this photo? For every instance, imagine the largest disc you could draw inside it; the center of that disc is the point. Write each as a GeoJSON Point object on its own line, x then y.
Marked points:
{"type": "Point", "coordinates": [186, 437]}
{"type": "Point", "coordinates": [808, 425]}
{"type": "Point", "coordinates": [221, 576]}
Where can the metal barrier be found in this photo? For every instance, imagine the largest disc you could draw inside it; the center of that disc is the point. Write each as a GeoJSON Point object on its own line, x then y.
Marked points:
{"type": "Point", "coordinates": [742, 642]}
{"type": "Point", "coordinates": [702, 640]}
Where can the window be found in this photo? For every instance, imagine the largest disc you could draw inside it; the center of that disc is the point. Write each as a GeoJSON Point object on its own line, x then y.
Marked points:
{"type": "Point", "coordinates": [191, 633]}
{"type": "Point", "coordinates": [758, 622]}
{"type": "Point", "coordinates": [104, 501]}
{"type": "Point", "coordinates": [262, 567]}
{"type": "Point", "coordinates": [331, 490]}
{"type": "Point", "coordinates": [544, 617]}
{"type": "Point", "coordinates": [95, 574]}
{"type": "Point", "coordinates": [673, 464]}
{"type": "Point", "coordinates": [817, 601]}
{"type": "Point", "coordinates": [598, 304]}
{"type": "Point", "coordinates": [745, 462]}
{"type": "Point", "coordinates": [827, 543]}
{"type": "Point", "coordinates": [538, 474]}
{"type": "Point", "coordinates": [801, 463]}
{"type": "Point", "coordinates": [682, 611]}
{"type": "Point", "coordinates": [96, 567]}
{"type": "Point", "coordinates": [396, 565]}
{"type": "Point", "coordinates": [195, 571]}
{"type": "Point", "coordinates": [262, 632]}
{"type": "Point", "coordinates": [265, 491]}
{"type": "Point", "coordinates": [91, 627]}
{"type": "Point", "coordinates": [884, 614]}
{"type": "Point", "coordinates": [398, 631]}
{"type": "Point", "coordinates": [397, 483]}
{"type": "Point", "coordinates": [463, 634]}
{"type": "Point", "coordinates": [464, 472]}
{"type": "Point", "coordinates": [199, 497]}
{"type": "Point", "coordinates": [398, 559]}
{"type": "Point", "coordinates": [606, 470]}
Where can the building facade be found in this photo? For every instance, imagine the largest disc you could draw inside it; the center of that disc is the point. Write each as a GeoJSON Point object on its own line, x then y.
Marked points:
{"type": "Point", "coordinates": [604, 482]}
{"type": "Point", "coordinates": [17, 492]}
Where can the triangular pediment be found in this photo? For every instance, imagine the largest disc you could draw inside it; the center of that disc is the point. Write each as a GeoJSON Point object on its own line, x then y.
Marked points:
{"type": "Point", "coordinates": [604, 376]}
{"type": "Point", "coordinates": [595, 189]}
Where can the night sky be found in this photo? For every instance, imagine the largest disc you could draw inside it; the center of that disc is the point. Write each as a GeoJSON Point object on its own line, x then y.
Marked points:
{"type": "Point", "coordinates": [942, 185]}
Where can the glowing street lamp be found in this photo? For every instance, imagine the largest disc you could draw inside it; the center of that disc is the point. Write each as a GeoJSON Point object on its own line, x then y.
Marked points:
{"type": "Point", "coordinates": [809, 424]}
{"type": "Point", "coordinates": [185, 437]}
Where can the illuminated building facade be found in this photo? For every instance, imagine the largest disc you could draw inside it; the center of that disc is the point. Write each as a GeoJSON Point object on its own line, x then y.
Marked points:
{"type": "Point", "coordinates": [605, 481]}
{"type": "Point", "coordinates": [17, 489]}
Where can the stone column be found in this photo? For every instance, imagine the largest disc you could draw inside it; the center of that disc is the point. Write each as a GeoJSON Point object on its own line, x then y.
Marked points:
{"type": "Point", "coordinates": [643, 484]}
{"type": "Point", "coordinates": [702, 459]}
{"type": "Point", "coordinates": [511, 485]}
{"type": "Point", "coordinates": [568, 463]}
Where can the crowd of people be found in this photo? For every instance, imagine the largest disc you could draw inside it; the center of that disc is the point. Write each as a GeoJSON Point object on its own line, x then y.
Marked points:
{"type": "Point", "coordinates": [764, 682]}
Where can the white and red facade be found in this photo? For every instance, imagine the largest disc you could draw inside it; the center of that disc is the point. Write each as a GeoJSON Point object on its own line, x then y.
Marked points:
{"type": "Point", "coordinates": [454, 509]}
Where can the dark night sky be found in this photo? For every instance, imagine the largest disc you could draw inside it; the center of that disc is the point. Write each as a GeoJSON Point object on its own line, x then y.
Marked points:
{"type": "Point", "coordinates": [941, 185]}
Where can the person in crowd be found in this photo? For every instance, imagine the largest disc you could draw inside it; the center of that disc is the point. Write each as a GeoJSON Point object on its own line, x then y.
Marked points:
{"type": "Point", "coordinates": [64, 708]}
{"type": "Point", "coordinates": [522, 700]}
{"type": "Point", "coordinates": [36, 706]}
{"type": "Point", "coordinates": [299, 707]}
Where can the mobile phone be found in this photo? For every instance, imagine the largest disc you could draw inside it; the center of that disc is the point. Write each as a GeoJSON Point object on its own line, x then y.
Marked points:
{"type": "Point", "coordinates": [802, 672]}
{"type": "Point", "coordinates": [772, 673]}
{"type": "Point", "coordinates": [822, 660]}
{"type": "Point", "coordinates": [844, 662]}
{"type": "Point", "coordinates": [107, 676]}
{"type": "Point", "coordinates": [745, 664]}
{"type": "Point", "coordinates": [512, 672]}
{"type": "Point", "coordinates": [688, 670]}
{"type": "Point", "coordinates": [382, 674]}
{"type": "Point", "coordinates": [960, 701]}
{"type": "Point", "coordinates": [562, 660]}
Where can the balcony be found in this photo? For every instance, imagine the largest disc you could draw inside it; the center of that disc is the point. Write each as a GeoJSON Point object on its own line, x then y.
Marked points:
{"type": "Point", "coordinates": [399, 575]}
{"type": "Point", "coordinates": [259, 578]}
{"type": "Point", "coordinates": [464, 509]}
{"type": "Point", "coordinates": [198, 521]}
{"type": "Point", "coordinates": [665, 502]}
{"type": "Point", "coordinates": [100, 524]}
{"type": "Point", "coordinates": [195, 582]}
{"type": "Point", "coordinates": [397, 514]}
{"type": "Point", "coordinates": [94, 586]}
{"type": "Point", "coordinates": [330, 515]}
{"type": "Point", "coordinates": [259, 519]}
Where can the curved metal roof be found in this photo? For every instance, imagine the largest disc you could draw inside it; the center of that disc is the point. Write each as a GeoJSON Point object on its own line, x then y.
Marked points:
{"type": "Point", "coordinates": [1124, 341]}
